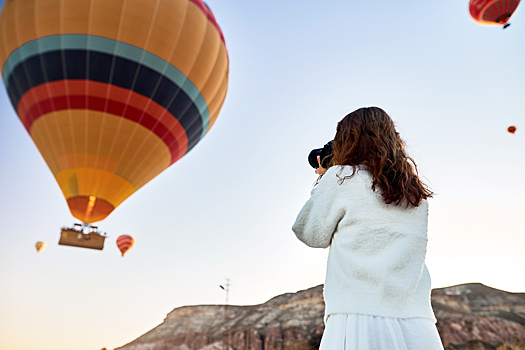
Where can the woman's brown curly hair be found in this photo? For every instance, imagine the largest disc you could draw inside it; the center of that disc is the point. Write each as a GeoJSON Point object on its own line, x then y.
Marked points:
{"type": "Point", "coordinates": [367, 137]}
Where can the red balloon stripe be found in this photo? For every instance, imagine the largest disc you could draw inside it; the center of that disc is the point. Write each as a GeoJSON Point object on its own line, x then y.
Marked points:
{"type": "Point", "coordinates": [176, 144]}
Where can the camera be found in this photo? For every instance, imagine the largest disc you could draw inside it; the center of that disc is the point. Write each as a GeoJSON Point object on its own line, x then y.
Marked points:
{"type": "Point", "coordinates": [325, 153]}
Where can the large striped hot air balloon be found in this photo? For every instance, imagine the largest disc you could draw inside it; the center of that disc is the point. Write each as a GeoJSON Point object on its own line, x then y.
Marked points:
{"type": "Point", "coordinates": [124, 243]}
{"type": "Point", "coordinates": [493, 12]}
{"type": "Point", "coordinates": [112, 92]}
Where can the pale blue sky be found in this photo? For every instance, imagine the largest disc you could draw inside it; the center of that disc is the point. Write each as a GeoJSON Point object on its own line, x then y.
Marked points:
{"type": "Point", "coordinates": [225, 210]}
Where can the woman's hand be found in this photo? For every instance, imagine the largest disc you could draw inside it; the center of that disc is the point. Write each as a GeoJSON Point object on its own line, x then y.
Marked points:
{"type": "Point", "coordinates": [320, 171]}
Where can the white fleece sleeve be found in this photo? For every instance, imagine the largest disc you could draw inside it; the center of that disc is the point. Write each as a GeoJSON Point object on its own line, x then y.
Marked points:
{"type": "Point", "coordinates": [318, 219]}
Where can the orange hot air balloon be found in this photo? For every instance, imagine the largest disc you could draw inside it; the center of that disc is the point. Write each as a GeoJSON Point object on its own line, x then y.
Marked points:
{"type": "Point", "coordinates": [112, 92]}
{"type": "Point", "coordinates": [493, 12]}
{"type": "Point", "coordinates": [124, 243]}
{"type": "Point", "coordinates": [511, 129]}
{"type": "Point", "coordinates": [40, 246]}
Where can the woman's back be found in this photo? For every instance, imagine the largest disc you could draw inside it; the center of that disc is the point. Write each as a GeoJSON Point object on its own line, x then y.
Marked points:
{"type": "Point", "coordinates": [376, 264]}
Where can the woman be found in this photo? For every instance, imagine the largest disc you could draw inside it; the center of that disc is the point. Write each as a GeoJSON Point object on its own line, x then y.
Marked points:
{"type": "Point", "coordinates": [370, 208]}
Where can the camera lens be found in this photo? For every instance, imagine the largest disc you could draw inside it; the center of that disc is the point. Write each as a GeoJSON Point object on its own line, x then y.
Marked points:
{"type": "Point", "coordinates": [312, 157]}
{"type": "Point", "coordinates": [325, 153]}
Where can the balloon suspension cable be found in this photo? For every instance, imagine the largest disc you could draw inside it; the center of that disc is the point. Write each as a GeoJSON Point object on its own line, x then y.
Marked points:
{"type": "Point", "coordinates": [85, 228]}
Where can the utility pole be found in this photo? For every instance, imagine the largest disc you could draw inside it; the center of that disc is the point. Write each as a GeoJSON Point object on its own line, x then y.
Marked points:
{"type": "Point", "coordinates": [227, 289]}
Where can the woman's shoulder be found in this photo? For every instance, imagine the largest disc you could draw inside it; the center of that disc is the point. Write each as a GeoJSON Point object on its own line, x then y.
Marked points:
{"type": "Point", "coordinates": [333, 174]}
{"type": "Point", "coordinates": [347, 172]}
{"type": "Point", "coordinates": [346, 176]}
{"type": "Point", "coordinates": [339, 170]}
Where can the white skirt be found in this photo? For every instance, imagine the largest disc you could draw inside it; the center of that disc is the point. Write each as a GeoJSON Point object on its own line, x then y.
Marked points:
{"type": "Point", "coordinates": [366, 332]}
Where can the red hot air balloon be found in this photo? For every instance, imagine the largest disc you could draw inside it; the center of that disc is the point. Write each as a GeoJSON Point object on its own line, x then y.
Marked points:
{"type": "Point", "coordinates": [493, 12]}
{"type": "Point", "coordinates": [124, 243]}
{"type": "Point", "coordinates": [511, 129]}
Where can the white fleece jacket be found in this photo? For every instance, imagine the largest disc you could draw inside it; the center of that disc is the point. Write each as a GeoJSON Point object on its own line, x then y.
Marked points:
{"type": "Point", "coordinates": [376, 264]}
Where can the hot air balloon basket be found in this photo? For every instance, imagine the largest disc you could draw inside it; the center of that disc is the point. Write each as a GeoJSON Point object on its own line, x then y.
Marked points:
{"type": "Point", "coordinates": [76, 238]}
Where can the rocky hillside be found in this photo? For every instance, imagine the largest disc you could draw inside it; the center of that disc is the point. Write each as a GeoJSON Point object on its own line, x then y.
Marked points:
{"type": "Point", "coordinates": [471, 314]}
{"type": "Point", "coordinates": [470, 317]}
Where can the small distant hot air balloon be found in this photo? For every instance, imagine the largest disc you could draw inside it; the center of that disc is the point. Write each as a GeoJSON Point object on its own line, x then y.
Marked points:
{"type": "Point", "coordinates": [493, 12]}
{"type": "Point", "coordinates": [40, 246]}
{"type": "Point", "coordinates": [124, 243]}
{"type": "Point", "coordinates": [511, 129]}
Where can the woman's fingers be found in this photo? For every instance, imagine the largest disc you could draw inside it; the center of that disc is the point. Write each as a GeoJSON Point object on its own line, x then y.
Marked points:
{"type": "Point", "coordinates": [320, 170]}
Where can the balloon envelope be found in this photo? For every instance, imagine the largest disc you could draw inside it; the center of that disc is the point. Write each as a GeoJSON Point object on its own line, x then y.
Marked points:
{"type": "Point", "coordinates": [492, 12]}
{"type": "Point", "coordinates": [511, 129]}
{"type": "Point", "coordinates": [112, 92]}
{"type": "Point", "coordinates": [40, 246]}
{"type": "Point", "coordinates": [124, 243]}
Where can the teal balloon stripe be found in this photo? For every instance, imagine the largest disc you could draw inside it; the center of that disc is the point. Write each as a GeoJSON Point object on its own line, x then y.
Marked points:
{"type": "Point", "coordinates": [112, 47]}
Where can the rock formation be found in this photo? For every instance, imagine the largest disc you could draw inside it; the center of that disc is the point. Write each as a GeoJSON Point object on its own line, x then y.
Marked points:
{"type": "Point", "coordinates": [470, 317]}
{"type": "Point", "coordinates": [473, 313]}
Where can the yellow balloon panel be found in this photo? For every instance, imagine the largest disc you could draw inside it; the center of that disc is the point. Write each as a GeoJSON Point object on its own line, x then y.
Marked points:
{"type": "Point", "coordinates": [47, 18]}
{"type": "Point", "coordinates": [137, 22]}
{"type": "Point", "coordinates": [84, 138]}
{"type": "Point", "coordinates": [168, 24]}
{"type": "Point", "coordinates": [207, 57]}
{"type": "Point", "coordinates": [86, 182]}
{"type": "Point", "coordinates": [218, 79]}
{"type": "Point", "coordinates": [94, 154]}
{"type": "Point", "coordinates": [217, 103]}
{"type": "Point", "coordinates": [73, 15]}
{"type": "Point", "coordinates": [105, 17]}
{"type": "Point", "coordinates": [190, 40]}
{"type": "Point", "coordinates": [20, 31]}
